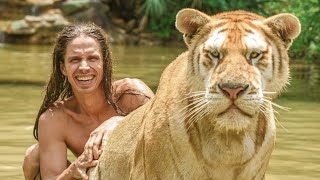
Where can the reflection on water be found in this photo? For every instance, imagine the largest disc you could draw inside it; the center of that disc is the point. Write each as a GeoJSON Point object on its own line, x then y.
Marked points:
{"type": "Point", "coordinates": [24, 70]}
{"type": "Point", "coordinates": [18, 105]}
{"type": "Point", "coordinates": [305, 82]}
{"type": "Point", "coordinates": [1, 37]}
{"type": "Point", "coordinates": [297, 150]}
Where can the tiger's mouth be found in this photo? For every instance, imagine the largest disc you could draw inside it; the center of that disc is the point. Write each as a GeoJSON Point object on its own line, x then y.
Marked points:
{"type": "Point", "coordinates": [235, 109]}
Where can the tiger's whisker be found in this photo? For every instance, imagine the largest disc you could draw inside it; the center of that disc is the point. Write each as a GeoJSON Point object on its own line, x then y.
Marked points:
{"type": "Point", "coordinates": [198, 115]}
{"type": "Point", "coordinates": [191, 104]}
{"type": "Point", "coordinates": [197, 92]}
{"type": "Point", "coordinates": [269, 109]}
{"type": "Point", "coordinates": [195, 110]}
{"type": "Point", "coordinates": [190, 97]}
{"type": "Point", "coordinates": [267, 97]}
{"type": "Point", "coordinates": [191, 110]}
{"type": "Point", "coordinates": [266, 92]}
{"type": "Point", "coordinates": [195, 113]}
{"type": "Point", "coordinates": [277, 105]}
{"type": "Point", "coordinates": [281, 124]}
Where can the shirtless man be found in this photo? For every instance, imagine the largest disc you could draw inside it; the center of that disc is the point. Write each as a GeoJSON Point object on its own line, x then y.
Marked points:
{"type": "Point", "coordinates": [81, 105]}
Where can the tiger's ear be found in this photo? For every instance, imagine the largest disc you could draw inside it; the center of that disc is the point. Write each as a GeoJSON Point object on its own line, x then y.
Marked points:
{"type": "Point", "coordinates": [284, 25]}
{"type": "Point", "coordinates": [188, 21]}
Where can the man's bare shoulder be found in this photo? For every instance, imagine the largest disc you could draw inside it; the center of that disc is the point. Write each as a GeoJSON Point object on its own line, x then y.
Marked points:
{"type": "Point", "coordinates": [56, 113]}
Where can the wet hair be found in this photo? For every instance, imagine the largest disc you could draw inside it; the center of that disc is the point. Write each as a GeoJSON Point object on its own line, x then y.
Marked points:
{"type": "Point", "coordinates": [58, 85]}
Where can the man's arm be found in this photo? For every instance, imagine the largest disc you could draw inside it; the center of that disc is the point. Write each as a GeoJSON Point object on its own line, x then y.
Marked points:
{"type": "Point", "coordinates": [129, 94]}
{"type": "Point", "coordinates": [31, 163]}
{"type": "Point", "coordinates": [53, 149]}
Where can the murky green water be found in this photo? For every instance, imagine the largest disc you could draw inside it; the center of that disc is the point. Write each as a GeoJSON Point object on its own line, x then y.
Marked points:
{"type": "Point", "coordinates": [24, 70]}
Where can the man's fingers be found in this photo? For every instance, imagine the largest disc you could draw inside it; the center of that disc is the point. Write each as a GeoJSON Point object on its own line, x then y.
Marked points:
{"type": "Point", "coordinates": [80, 166]}
{"type": "Point", "coordinates": [96, 144]}
{"type": "Point", "coordinates": [104, 140]}
{"type": "Point", "coordinates": [83, 174]}
{"type": "Point", "coordinates": [89, 155]}
{"type": "Point", "coordinates": [92, 163]}
{"type": "Point", "coordinates": [88, 149]}
{"type": "Point", "coordinates": [83, 166]}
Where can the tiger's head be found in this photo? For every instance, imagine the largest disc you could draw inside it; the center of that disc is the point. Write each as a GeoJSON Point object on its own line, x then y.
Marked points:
{"type": "Point", "coordinates": [238, 58]}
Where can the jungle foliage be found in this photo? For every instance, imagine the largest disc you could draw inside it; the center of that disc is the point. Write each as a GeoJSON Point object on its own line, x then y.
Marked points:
{"type": "Point", "coordinates": [307, 46]}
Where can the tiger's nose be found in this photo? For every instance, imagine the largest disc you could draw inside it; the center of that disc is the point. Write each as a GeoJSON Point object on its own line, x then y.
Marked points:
{"type": "Point", "coordinates": [232, 91]}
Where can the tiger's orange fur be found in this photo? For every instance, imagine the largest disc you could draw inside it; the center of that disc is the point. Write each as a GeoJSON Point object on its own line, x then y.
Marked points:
{"type": "Point", "coordinates": [212, 115]}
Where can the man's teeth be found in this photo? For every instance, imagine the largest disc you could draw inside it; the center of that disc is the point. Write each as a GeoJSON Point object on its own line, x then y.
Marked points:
{"type": "Point", "coordinates": [85, 78]}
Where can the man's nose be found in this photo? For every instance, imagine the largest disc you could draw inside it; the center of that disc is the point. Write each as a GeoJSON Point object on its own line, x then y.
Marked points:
{"type": "Point", "coordinates": [84, 65]}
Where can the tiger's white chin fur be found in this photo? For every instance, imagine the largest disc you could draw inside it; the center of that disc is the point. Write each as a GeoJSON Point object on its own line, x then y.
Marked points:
{"type": "Point", "coordinates": [234, 116]}
{"type": "Point", "coordinates": [233, 120]}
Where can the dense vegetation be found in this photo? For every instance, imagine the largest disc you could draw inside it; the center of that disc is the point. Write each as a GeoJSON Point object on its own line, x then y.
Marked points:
{"type": "Point", "coordinates": [307, 45]}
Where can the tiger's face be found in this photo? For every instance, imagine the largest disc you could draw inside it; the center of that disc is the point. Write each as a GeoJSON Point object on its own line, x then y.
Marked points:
{"type": "Point", "coordinates": [240, 57]}
{"type": "Point", "coordinates": [230, 66]}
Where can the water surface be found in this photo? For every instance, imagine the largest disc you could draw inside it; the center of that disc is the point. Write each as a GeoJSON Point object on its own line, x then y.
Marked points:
{"type": "Point", "coordinates": [25, 69]}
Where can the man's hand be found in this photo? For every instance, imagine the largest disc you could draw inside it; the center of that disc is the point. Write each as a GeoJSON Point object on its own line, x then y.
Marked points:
{"type": "Point", "coordinates": [78, 169]}
{"type": "Point", "coordinates": [130, 86]}
{"type": "Point", "coordinates": [97, 139]}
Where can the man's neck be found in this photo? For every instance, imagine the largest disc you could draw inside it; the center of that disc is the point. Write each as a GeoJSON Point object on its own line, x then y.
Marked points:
{"type": "Point", "coordinates": [92, 104]}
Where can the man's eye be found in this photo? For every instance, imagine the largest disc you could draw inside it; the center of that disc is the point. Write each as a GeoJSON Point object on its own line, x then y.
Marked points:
{"type": "Point", "coordinates": [93, 59]}
{"type": "Point", "coordinates": [74, 60]}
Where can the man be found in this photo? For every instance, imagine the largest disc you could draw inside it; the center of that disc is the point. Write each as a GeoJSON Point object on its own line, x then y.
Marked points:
{"type": "Point", "coordinates": [80, 99]}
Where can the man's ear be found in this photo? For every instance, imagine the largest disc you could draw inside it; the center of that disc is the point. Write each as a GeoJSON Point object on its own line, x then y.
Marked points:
{"type": "Point", "coordinates": [188, 21]}
{"type": "Point", "coordinates": [63, 69]}
{"type": "Point", "coordinates": [286, 26]}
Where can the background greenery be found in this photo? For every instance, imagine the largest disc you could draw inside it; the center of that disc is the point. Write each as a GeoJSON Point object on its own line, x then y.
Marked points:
{"type": "Point", "coordinates": [306, 46]}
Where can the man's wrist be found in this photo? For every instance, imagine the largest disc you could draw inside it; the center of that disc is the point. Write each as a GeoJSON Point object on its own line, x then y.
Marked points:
{"type": "Point", "coordinates": [68, 174]}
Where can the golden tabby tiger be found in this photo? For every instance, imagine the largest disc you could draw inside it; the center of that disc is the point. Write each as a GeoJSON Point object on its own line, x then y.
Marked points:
{"type": "Point", "coordinates": [212, 117]}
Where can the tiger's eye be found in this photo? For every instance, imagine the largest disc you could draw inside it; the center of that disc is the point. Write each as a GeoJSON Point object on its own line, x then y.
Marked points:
{"type": "Point", "coordinates": [254, 54]}
{"type": "Point", "coordinates": [215, 54]}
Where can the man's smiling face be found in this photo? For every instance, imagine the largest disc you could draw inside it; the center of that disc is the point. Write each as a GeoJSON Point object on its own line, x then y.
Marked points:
{"type": "Point", "coordinates": [83, 65]}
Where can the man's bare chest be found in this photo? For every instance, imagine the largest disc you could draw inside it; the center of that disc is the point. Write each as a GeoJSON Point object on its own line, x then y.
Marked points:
{"type": "Point", "coordinates": [76, 139]}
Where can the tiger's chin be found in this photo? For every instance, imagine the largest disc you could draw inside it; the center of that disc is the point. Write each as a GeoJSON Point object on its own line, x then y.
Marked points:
{"type": "Point", "coordinates": [233, 119]}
